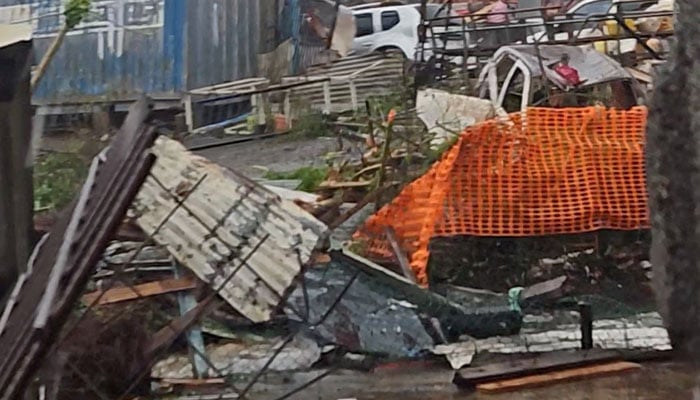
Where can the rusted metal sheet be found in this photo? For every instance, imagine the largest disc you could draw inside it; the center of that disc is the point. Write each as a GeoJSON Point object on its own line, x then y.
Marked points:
{"type": "Point", "coordinates": [61, 265]}
{"type": "Point", "coordinates": [225, 218]}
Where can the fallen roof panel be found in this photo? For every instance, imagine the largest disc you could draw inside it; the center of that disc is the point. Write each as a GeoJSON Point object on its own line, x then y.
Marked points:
{"type": "Point", "coordinates": [60, 267]}
{"type": "Point", "coordinates": [230, 231]}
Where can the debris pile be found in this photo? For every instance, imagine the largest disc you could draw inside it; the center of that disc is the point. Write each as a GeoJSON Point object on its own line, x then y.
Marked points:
{"type": "Point", "coordinates": [492, 234]}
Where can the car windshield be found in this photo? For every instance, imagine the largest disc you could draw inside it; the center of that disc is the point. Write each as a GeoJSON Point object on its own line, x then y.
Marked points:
{"type": "Point", "coordinates": [635, 5]}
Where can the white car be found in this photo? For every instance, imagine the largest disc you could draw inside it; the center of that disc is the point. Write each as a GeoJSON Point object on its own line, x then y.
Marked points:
{"type": "Point", "coordinates": [392, 28]}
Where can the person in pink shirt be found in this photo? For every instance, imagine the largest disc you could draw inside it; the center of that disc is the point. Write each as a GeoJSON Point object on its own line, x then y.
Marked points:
{"type": "Point", "coordinates": [496, 15]}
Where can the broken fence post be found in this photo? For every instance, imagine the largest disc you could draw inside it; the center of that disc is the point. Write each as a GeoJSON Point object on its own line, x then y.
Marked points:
{"type": "Point", "coordinates": [586, 325]}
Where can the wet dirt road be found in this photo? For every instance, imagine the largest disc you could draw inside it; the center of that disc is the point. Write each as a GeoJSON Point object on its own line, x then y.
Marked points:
{"type": "Point", "coordinates": [277, 154]}
{"type": "Point", "coordinates": [652, 382]}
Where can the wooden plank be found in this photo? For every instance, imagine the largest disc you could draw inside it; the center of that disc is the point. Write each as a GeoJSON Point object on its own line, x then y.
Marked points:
{"type": "Point", "coordinates": [194, 382]}
{"type": "Point", "coordinates": [343, 185]}
{"type": "Point", "coordinates": [121, 294]}
{"type": "Point", "coordinates": [551, 378]}
{"type": "Point", "coordinates": [162, 339]}
{"type": "Point", "coordinates": [534, 364]}
{"type": "Point", "coordinates": [640, 75]}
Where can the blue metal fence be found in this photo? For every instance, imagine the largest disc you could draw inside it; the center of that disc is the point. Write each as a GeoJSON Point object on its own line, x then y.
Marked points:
{"type": "Point", "coordinates": [128, 47]}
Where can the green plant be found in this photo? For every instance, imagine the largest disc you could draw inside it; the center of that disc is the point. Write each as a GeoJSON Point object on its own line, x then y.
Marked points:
{"type": "Point", "coordinates": [76, 10]}
{"type": "Point", "coordinates": [57, 179]}
{"type": "Point", "coordinates": [311, 177]}
{"type": "Point", "coordinates": [309, 126]}
{"type": "Point", "coordinates": [358, 247]}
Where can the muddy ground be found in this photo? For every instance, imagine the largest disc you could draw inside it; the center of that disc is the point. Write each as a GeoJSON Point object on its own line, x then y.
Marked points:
{"type": "Point", "coordinates": [652, 382]}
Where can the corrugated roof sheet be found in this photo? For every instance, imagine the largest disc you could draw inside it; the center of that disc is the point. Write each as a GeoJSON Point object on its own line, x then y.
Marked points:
{"type": "Point", "coordinates": [224, 219]}
{"type": "Point", "coordinates": [371, 75]}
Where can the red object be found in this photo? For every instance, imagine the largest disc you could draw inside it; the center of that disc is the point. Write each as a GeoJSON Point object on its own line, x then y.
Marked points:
{"type": "Point", "coordinates": [568, 73]}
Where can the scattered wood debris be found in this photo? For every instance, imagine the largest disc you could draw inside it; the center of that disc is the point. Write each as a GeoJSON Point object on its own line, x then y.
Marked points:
{"type": "Point", "coordinates": [121, 294]}
{"type": "Point", "coordinates": [554, 377]}
{"type": "Point", "coordinates": [471, 377]}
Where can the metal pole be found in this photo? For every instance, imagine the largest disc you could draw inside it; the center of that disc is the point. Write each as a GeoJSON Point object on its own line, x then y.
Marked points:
{"type": "Point", "coordinates": [586, 325]}
{"type": "Point", "coordinates": [421, 29]}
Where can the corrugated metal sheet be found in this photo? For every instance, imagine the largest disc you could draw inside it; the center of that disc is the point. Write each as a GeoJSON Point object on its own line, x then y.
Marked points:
{"type": "Point", "coordinates": [223, 38]}
{"type": "Point", "coordinates": [224, 220]}
{"type": "Point", "coordinates": [127, 47]}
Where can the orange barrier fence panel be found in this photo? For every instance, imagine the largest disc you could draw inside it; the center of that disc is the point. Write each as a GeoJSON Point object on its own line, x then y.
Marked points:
{"type": "Point", "coordinates": [553, 171]}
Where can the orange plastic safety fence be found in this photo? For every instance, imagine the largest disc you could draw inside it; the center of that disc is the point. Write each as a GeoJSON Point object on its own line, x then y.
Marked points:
{"type": "Point", "coordinates": [553, 171]}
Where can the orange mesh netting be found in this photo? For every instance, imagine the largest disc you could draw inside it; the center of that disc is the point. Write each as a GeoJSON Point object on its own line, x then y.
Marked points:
{"type": "Point", "coordinates": [555, 171]}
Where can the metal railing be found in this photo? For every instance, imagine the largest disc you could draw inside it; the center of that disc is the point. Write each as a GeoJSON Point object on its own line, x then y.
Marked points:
{"type": "Point", "coordinates": [469, 43]}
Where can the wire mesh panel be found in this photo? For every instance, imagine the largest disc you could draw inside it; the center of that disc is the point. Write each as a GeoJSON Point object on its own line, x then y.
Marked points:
{"type": "Point", "coordinates": [552, 171]}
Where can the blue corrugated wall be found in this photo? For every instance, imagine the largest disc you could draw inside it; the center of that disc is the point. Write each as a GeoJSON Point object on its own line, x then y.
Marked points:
{"type": "Point", "coordinates": [128, 47]}
{"type": "Point", "coordinates": [223, 39]}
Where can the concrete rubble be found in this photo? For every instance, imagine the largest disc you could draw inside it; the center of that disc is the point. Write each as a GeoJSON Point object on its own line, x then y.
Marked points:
{"type": "Point", "coordinates": [245, 358]}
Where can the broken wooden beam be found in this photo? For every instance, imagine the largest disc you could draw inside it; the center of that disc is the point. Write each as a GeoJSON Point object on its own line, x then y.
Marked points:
{"type": "Point", "coordinates": [328, 185]}
{"type": "Point", "coordinates": [530, 365]}
{"type": "Point", "coordinates": [191, 382]}
{"type": "Point", "coordinates": [555, 377]}
{"type": "Point", "coordinates": [368, 198]}
{"type": "Point", "coordinates": [127, 293]}
{"type": "Point", "coordinates": [127, 231]}
{"type": "Point", "coordinates": [162, 339]}
{"type": "Point", "coordinates": [400, 255]}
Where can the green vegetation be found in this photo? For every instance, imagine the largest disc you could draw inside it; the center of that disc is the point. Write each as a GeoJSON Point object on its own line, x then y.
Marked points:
{"type": "Point", "coordinates": [397, 100]}
{"type": "Point", "coordinates": [76, 10]}
{"type": "Point", "coordinates": [436, 153]}
{"type": "Point", "coordinates": [358, 247]}
{"type": "Point", "coordinates": [57, 179]}
{"type": "Point", "coordinates": [309, 126]}
{"type": "Point", "coordinates": [310, 177]}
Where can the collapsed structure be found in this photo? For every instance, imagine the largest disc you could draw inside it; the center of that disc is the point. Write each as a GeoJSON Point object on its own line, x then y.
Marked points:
{"type": "Point", "coordinates": [238, 280]}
